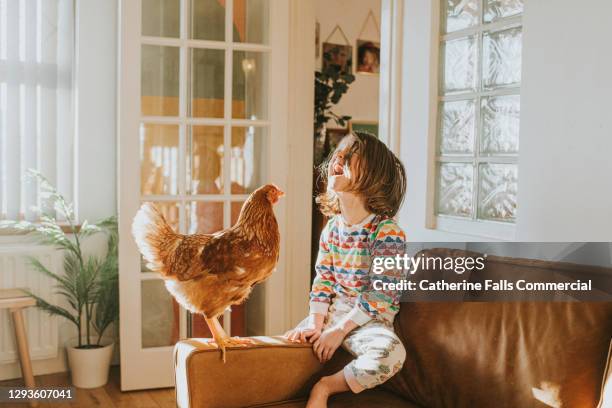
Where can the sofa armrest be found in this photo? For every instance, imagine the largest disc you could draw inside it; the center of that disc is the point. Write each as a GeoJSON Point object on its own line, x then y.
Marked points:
{"type": "Point", "coordinates": [271, 370]}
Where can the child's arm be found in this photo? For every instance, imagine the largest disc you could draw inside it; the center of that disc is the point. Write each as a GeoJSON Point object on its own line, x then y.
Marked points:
{"type": "Point", "coordinates": [331, 338]}
{"type": "Point", "coordinates": [323, 285]}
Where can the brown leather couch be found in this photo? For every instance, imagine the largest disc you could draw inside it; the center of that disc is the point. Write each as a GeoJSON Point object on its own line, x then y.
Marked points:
{"type": "Point", "coordinates": [459, 354]}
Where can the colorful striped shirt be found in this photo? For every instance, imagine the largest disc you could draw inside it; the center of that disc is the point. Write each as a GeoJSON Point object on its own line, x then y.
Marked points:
{"type": "Point", "coordinates": [344, 268]}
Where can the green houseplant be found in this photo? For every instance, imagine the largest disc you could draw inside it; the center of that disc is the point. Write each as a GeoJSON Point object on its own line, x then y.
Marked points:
{"type": "Point", "coordinates": [331, 83]}
{"type": "Point", "coordinates": [89, 284]}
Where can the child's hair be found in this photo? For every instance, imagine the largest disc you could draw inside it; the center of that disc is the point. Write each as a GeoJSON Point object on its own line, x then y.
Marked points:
{"type": "Point", "coordinates": [381, 178]}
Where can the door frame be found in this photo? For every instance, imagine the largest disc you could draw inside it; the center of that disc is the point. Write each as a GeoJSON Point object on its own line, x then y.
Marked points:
{"type": "Point", "coordinates": [390, 95]}
{"type": "Point", "coordinates": [157, 363]}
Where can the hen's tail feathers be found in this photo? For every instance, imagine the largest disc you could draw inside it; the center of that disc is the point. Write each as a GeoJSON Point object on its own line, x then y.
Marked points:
{"type": "Point", "coordinates": [156, 240]}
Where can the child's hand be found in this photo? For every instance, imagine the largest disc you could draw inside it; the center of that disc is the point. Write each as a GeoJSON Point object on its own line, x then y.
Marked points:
{"type": "Point", "coordinates": [311, 331]}
{"type": "Point", "coordinates": [325, 347]}
{"type": "Point", "coordinates": [302, 334]}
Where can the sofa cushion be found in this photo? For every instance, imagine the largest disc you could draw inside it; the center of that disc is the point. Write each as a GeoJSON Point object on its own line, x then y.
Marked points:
{"type": "Point", "coordinates": [503, 354]}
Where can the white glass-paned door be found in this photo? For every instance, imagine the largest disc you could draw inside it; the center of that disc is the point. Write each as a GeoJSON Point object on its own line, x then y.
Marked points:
{"type": "Point", "coordinates": [197, 113]}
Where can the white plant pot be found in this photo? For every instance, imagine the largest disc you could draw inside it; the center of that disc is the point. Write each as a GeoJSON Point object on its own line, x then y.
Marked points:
{"type": "Point", "coordinates": [89, 367]}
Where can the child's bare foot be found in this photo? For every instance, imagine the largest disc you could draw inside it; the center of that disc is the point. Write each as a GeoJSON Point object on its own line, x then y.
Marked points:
{"type": "Point", "coordinates": [319, 395]}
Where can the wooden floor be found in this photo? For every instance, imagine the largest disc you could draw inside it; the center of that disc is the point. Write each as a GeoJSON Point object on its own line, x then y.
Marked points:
{"type": "Point", "coordinates": [108, 396]}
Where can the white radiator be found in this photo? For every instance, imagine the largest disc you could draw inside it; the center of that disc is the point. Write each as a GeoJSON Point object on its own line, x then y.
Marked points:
{"type": "Point", "coordinates": [16, 272]}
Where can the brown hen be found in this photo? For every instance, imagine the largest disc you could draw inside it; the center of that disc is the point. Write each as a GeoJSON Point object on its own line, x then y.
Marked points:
{"type": "Point", "coordinates": [208, 273]}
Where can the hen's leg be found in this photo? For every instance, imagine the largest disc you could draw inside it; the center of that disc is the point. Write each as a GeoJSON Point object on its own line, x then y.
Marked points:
{"type": "Point", "coordinates": [221, 337]}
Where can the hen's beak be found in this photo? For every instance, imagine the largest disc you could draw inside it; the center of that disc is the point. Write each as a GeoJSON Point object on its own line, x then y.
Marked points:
{"type": "Point", "coordinates": [280, 194]}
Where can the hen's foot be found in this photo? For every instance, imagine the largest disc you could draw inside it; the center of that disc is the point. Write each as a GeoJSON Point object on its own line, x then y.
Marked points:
{"type": "Point", "coordinates": [239, 342]}
{"type": "Point", "coordinates": [232, 342]}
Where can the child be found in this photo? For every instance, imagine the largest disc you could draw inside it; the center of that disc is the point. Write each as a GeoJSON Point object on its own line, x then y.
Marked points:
{"type": "Point", "coordinates": [365, 188]}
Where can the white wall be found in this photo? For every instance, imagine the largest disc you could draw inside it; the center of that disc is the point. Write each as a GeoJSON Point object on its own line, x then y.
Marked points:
{"type": "Point", "coordinates": [565, 166]}
{"type": "Point", "coordinates": [415, 121]}
{"type": "Point", "coordinates": [361, 100]}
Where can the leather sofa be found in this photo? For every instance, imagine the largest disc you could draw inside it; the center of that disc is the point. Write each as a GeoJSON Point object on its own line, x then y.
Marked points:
{"type": "Point", "coordinates": [459, 354]}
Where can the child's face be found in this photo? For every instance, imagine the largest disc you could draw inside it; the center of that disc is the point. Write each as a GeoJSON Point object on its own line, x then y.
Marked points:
{"type": "Point", "coordinates": [342, 170]}
{"type": "Point", "coordinates": [369, 59]}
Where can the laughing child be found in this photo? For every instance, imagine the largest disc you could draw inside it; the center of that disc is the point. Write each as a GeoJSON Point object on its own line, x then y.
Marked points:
{"type": "Point", "coordinates": [366, 183]}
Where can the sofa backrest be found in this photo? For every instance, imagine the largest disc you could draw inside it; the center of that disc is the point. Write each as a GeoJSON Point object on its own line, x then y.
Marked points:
{"type": "Point", "coordinates": [503, 354]}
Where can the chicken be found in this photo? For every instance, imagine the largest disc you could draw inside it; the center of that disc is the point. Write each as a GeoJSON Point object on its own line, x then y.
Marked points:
{"type": "Point", "coordinates": [208, 273]}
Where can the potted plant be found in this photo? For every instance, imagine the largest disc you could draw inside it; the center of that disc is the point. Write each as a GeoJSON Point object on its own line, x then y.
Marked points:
{"type": "Point", "coordinates": [331, 83]}
{"type": "Point", "coordinates": [89, 284]}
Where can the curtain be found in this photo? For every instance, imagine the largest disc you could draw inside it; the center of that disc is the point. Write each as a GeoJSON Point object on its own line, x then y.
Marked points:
{"type": "Point", "coordinates": [36, 101]}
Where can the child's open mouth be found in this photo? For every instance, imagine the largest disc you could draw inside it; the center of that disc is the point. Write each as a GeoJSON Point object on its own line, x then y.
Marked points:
{"type": "Point", "coordinates": [337, 169]}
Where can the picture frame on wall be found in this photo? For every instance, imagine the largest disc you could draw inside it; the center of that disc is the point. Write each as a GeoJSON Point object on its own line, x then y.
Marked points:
{"type": "Point", "coordinates": [366, 126]}
{"type": "Point", "coordinates": [340, 55]}
{"type": "Point", "coordinates": [368, 57]}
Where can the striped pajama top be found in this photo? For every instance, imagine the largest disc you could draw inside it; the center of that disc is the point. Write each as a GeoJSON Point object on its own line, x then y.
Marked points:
{"type": "Point", "coordinates": [344, 273]}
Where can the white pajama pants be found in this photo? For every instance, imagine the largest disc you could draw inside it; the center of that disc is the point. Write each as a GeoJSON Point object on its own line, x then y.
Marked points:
{"type": "Point", "coordinates": [379, 353]}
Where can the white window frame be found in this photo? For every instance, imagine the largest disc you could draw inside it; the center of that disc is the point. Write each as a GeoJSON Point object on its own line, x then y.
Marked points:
{"type": "Point", "coordinates": [467, 226]}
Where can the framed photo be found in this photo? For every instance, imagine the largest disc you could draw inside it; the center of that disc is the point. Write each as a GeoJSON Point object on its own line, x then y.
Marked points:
{"type": "Point", "coordinates": [368, 57]}
{"type": "Point", "coordinates": [365, 126]}
{"type": "Point", "coordinates": [341, 55]}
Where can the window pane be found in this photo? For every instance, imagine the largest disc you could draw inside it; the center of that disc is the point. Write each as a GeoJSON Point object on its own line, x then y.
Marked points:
{"type": "Point", "coordinates": [207, 83]}
{"type": "Point", "coordinates": [501, 62]}
{"type": "Point", "coordinates": [159, 146]}
{"type": "Point", "coordinates": [250, 78]}
{"type": "Point", "coordinates": [205, 217]}
{"type": "Point", "coordinates": [160, 18]}
{"type": "Point", "coordinates": [459, 58]}
{"type": "Point", "coordinates": [457, 130]}
{"type": "Point", "coordinates": [500, 124]}
{"type": "Point", "coordinates": [251, 21]}
{"type": "Point", "coordinates": [206, 154]}
{"type": "Point", "coordinates": [207, 20]}
{"type": "Point", "coordinates": [497, 192]}
{"type": "Point", "coordinates": [159, 80]}
{"type": "Point", "coordinates": [170, 210]}
{"type": "Point", "coordinates": [248, 158]}
{"type": "Point", "coordinates": [160, 315]}
{"type": "Point", "coordinates": [455, 187]}
{"type": "Point", "coordinates": [461, 14]}
{"type": "Point", "coordinates": [496, 9]}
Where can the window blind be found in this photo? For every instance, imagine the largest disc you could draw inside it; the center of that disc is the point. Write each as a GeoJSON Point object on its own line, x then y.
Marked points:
{"type": "Point", "coordinates": [36, 101]}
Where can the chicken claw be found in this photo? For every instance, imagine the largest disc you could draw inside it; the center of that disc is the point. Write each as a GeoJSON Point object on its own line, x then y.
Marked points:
{"type": "Point", "coordinates": [232, 342]}
{"type": "Point", "coordinates": [222, 340]}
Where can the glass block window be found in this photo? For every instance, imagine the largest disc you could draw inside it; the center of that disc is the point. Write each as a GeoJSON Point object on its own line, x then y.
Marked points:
{"type": "Point", "coordinates": [479, 109]}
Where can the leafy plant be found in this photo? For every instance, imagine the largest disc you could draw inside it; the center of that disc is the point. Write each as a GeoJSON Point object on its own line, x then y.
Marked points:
{"type": "Point", "coordinates": [90, 285]}
{"type": "Point", "coordinates": [331, 83]}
